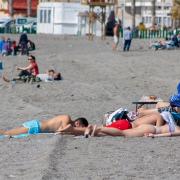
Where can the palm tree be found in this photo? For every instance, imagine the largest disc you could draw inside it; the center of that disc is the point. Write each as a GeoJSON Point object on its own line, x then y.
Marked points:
{"type": "Point", "coordinates": [29, 2]}
{"type": "Point", "coordinates": [153, 12]}
{"type": "Point", "coordinates": [176, 13]}
{"type": "Point", "coordinates": [133, 12]}
{"type": "Point", "coordinates": [10, 7]}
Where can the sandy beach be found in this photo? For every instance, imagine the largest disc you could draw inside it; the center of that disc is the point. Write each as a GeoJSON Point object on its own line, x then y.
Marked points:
{"type": "Point", "coordinates": [95, 80]}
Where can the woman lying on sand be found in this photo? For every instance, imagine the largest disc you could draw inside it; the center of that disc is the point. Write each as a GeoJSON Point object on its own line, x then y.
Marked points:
{"type": "Point", "coordinates": [151, 125]}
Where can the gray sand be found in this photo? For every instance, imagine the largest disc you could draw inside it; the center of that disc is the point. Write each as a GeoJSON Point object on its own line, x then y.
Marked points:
{"type": "Point", "coordinates": [95, 80]}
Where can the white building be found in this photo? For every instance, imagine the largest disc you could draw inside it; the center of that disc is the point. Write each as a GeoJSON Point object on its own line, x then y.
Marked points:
{"type": "Point", "coordinates": [144, 12]}
{"type": "Point", "coordinates": [64, 18]}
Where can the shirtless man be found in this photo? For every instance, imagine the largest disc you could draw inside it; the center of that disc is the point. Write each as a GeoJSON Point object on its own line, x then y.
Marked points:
{"type": "Point", "coordinates": [53, 125]}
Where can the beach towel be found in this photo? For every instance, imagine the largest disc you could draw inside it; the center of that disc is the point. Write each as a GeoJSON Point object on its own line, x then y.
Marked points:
{"type": "Point", "coordinates": [169, 119]}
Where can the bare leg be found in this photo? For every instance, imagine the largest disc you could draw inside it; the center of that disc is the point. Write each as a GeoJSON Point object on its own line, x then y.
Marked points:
{"type": "Point", "coordinates": [108, 131]}
{"type": "Point", "coordinates": [139, 131]}
{"type": "Point", "coordinates": [154, 119]}
{"type": "Point", "coordinates": [136, 132]}
{"type": "Point", "coordinates": [16, 131]}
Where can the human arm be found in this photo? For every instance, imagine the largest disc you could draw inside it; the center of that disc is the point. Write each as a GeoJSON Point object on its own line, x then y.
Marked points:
{"type": "Point", "coordinates": [24, 68]}
{"type": "Point", "coordinates": [69, 129]}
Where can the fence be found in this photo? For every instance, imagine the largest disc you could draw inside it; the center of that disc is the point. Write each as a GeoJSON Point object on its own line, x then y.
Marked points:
{"type": "Point", "coordinates": [149, 34]}
{"type": "Point", "coordinates": [16, 30]}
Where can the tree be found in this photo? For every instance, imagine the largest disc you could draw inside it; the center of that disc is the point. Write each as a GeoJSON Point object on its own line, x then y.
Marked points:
{"type": "Point", "coordinates": [153, 12]}
{"type": "Point", "coordinates": [175, 12]}
{"type": "Point", "coordinates": [29, 2]}
{"type": "Point", "coordinates": [10, 7]}
{"type": "Point", "coordinates": [133, 12]}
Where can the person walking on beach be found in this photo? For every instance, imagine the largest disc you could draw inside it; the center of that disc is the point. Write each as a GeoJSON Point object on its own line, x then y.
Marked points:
{"type": "Point", "coordinates": [53, 125]}
{"type": "Point", "coordinates": [127, 39]}
{"type": "Point", "coordinates": [116, 35]}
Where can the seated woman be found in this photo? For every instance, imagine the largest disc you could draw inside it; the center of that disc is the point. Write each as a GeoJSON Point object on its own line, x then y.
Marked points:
{"type": "Point", "coordinates": [50, 75]}
{"type": "Point", "coordinates": [28, 72]}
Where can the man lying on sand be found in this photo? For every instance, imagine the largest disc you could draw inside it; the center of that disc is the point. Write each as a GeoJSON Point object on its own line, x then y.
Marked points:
{"type": "Point", "coordinates": [53, 125]}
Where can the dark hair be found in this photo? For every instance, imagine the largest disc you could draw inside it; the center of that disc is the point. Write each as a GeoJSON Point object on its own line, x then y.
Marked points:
{"type": "Point", "coordinates": [33, 57]}
{"type": "Point", "coordinates": [57, 76]}
{"type": "Point", "coordinates": [83, 121]}
{"type": "Point", "coordinates": [51, 70]}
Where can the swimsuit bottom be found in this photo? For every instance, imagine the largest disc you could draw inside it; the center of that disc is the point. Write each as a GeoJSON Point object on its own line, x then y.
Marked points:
{"type": "Point", "coordinates": [33, 126]}
{"type": "Point", "coordinates": [121, 124]}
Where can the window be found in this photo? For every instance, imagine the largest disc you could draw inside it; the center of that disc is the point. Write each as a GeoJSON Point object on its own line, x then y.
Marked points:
{"type": "Point", "coordinates": [45, 16]}
{"type": "Point", "coordinates": [41, 16]}
{"type": "Point", "coordinates": [49, 16]}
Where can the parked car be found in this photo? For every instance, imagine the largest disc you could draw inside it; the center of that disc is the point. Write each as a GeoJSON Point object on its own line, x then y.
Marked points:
{"type": "Point", "coordinates": [6, 25]}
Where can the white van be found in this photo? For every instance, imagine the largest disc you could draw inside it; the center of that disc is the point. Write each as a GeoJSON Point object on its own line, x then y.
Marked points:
{"type": "Point", "coordinates": [21, 21]}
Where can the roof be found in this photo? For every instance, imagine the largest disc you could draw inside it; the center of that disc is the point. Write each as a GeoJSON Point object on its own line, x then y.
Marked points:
{"type": "Point", "coordinates": [22, 4]}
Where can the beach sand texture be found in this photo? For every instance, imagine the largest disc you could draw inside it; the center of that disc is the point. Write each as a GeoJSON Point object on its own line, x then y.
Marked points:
{"type": "Point", "coordinates": [95, 80]}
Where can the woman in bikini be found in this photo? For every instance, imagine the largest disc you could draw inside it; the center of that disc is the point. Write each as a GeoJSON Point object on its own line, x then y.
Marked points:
{"type": "Point", "coordinates": [153, 125]}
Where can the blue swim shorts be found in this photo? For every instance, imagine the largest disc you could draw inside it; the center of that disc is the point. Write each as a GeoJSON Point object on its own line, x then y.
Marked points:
{"type": "Point", "coordinates": [33, 126]}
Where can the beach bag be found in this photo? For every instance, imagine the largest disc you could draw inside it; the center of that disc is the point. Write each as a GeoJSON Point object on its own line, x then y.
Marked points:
{"type": "Point", "coordinates": [175, 99]}
{"type": "Point", "coordinates": [111, 117]}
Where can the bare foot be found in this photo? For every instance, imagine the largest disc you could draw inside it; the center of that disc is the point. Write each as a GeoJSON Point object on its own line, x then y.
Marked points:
{"type": "Point", "coordinates": [5, 79]}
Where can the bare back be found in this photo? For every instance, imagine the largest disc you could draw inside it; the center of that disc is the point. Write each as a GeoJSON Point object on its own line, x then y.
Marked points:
{"type": "Point", "coordinates": [58, 122]}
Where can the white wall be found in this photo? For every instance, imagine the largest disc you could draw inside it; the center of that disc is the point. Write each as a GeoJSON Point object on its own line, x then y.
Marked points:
{"type": "Point", "coordinates": [63, 18]}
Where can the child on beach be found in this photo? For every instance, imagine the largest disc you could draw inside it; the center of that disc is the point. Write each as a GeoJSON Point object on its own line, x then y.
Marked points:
{"type": "Point", "coordinates": [50, 76]}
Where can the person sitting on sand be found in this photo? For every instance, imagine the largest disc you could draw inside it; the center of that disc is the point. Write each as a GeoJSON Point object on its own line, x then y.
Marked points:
{"type": "Point", "coordinates": [48, 126]}
{"type": "Point", "coordinates": [50, 75]}
{"type": "Point", "coordinates": [28, 72]}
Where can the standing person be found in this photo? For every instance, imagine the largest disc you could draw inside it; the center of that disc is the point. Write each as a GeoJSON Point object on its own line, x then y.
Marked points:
{"type": "Point", "coordinates": [127, 39]}
{"type": "Point", "coordinates": [116, 35]}
{"type": "Point", "coordinates": [23, 41]}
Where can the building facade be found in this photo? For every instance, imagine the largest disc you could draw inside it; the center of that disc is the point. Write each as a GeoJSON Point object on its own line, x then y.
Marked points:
{"type": "Point", "coordinates": [143, 11]}
{"type": "Point", "coordinates": [3, 8]}
{"type": "Point", "coordinates": [19, 8]}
